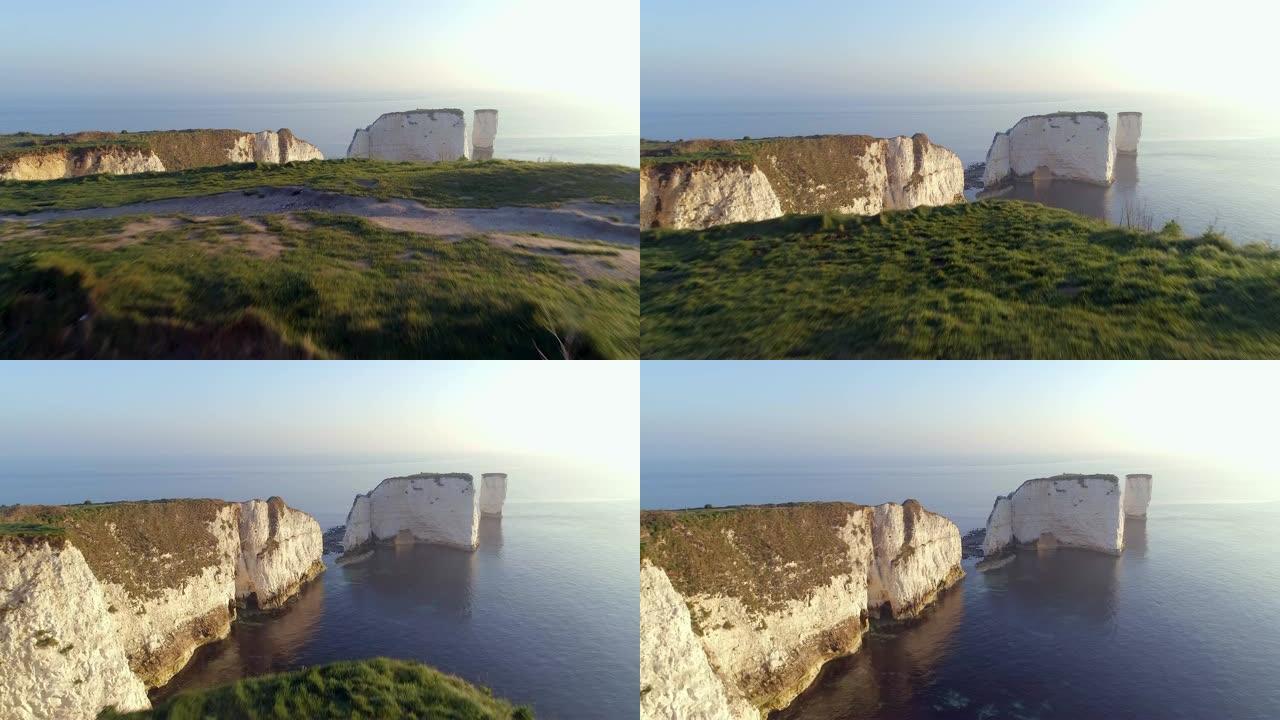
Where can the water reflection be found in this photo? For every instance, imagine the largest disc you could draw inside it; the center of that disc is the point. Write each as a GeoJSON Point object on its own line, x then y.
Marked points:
{"type": "Point", "coordinates": [400, 579]}
{"type": "Point", "coordinates": [1057, 584]}
{"type": "Point", "coordinates": [889, 669]}
{"type": "Point", "coordinates": [259, 643]}
{"type": "Point", "coordinates": [1120, 203]}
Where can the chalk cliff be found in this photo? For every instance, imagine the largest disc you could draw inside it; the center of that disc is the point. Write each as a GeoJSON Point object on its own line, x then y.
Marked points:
{"type": "Point", "coordinates": [1063, 145]}
{"type": "Point", "coordinates": [1083, 511]}
{"type": "Point", "coordinates": [484, 129]}
{"type": "Point", "coordinates": [1128, 132]}
{"type": "Point", "coordinates": [50, 157]}
{"type": "Point", "coordinates": [413, 136]}
{"type": "Point", "coordinates": [701, 183]}
{"type": "Point", "coordinates": [437, 508]}
{"type": "Point", "coordinates": [740, 607]}
{"type": "Point", "coordinates": [157, 580]}
{"type": "Point", "coordinates": [1137, 495]}
{"type": "Point", "coordinates": [493, 493]}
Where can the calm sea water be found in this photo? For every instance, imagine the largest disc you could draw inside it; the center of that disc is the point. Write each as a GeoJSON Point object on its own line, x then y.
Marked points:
{"type": "Point", "coordinates": [1181, 626]}
{"type": "Point", "coordinates": [544, 612]}
{"type": "Point", "coordinates": [1201, 166]}
{"type": "Point", "coordinates": [527, 129]}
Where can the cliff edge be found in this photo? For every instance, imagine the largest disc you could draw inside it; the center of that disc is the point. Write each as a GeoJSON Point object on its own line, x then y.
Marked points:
{"type": "Point", "coordinates": [740, 607]}
{"type": "Point", "coordinates": [700, 183]}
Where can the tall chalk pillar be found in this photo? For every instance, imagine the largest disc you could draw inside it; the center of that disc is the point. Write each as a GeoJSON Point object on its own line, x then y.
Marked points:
{"type": "Point", "coordinates": [483, 132]}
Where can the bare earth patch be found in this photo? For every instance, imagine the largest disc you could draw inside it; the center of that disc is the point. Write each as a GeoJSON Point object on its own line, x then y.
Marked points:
{"type": "Point", "coordinates": [588, 261]}
{"type": "Point", "coordinates": [138, 230]}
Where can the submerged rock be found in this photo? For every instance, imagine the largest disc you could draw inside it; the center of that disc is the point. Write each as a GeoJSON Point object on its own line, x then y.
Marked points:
{"type": "Point", "coordinates": [133, 587]}
{"type": "Point", "coordinates": [740, 607]}
{"type": "Point", "coordinates": [701, 183]}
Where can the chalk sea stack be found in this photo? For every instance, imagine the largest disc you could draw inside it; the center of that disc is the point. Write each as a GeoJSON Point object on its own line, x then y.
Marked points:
{"type": "Point", "coordinates": [1059, 146]}
{"type": "Point", "coordinates": [100, 602]}
{"type": "Point", "coordinates": [741, 606]}
{"type": "Point", "coordinates": [433, 508]}
{"type": "Point", "coordinates": [1070, 510]}
{"type": "Point", "coordinates": [1128, 132]}
{"type": "Point", "coordinates": [493, 493]}
{"type": "Point", "coordinates": [701, 183]}
{"type": "Point", "coordinates": [426, 136]}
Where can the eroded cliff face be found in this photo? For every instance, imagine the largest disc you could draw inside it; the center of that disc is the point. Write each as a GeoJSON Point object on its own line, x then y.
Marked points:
{"type": "Point", "coordinates": [1065, 146]}
{"type": "Point", "coordinates": [493, 493]}
{"type": "Point", "coordinates": [78, 163]}
{"type": "Point", "coordinates": [1128, 132]}
{"type": "Point", "coordinates": [1137, 495]}
{"type": "Point", "coordinates": [484, 130]}
{"type": "Point", "coordinates": [272, 148]}
{"type": "Point", "coordinates": [170, 575]}
{"type": "Point", "coordinates": [763, 179]}
{"type": "Point", "coordinates": [413, 136]}
{"type": "Point", "coordinates": [1084, 511]}
{"type": "Point", "coordinates": [773, 592]}
{"type": "Point", "coordinates": [438, 508]}
{"type": "Point", "coordinates": [60, 647]}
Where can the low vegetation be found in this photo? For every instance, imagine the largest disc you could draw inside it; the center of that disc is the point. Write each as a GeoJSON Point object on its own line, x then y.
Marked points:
{"type": "Point", "coordinates": [488, 183]}
{"type": "Point", "coordinates": [376, 689]}
{"type": "Point", "coordinates": [994, 279]}
{"type": "Point", "coordinates": [305, 285]}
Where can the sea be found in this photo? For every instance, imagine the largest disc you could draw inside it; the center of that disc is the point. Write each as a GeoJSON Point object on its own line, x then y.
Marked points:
{"type": "Point", "coordinates": [528, 128]}
{"type": "Point", "coordinates": [1182, 625]}
{"type": "Point", "coordinates": [1204, 166]}
{"type": "Point", "coordinates": [544, 612]}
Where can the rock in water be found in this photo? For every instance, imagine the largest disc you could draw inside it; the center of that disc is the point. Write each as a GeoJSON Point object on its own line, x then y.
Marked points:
{"type": "Point", "coordinates": [437, 508]}
{"type": "Point", "coordinates": [1137, 495]}
{"type": "Point", "coordinates": [493, 493]}
{"type": "Point", "coordinates": [1128, 132]}
{"type": "Point", "coordinates": [1063, 146]}
{"type": "Point", "coordinates": [413, 136]}
{"type": "Point", "coordinates": [701, 183]}
{"type": "Point", "coordinates": [484, 129]}
{"type": "Point", "coordinates": [136, 588]}
{"type": "Point", "coordinates": [740, 607]}
{"type": "Point", "coordinates": [1083, 511]}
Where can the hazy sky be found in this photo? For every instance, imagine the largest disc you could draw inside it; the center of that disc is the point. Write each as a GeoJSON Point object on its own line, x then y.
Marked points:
{"type": "Point", "coordinates": [579, 50]}
{"type": "Point", "coordinates": [581, 416]}
{"type": "Point", "coordinates": [1210, 424]}
{"type": "Point", "coordinates": [763, 48]}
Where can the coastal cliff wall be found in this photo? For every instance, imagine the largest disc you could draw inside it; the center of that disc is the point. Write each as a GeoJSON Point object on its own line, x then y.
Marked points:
{"type": "Point", "coordinates": [749, 180]}
{"type": "Point", "coordinates": [413, 136]}
{"type": "Point", "coordinates": [493, 493]}
{"type": "Point", "coordinates": [98, 153]}
{"type": "Point", "coordinates": [772, 593]}
{"type": "Point", "coordinates": [170, 575]}
{"type": "Point", "coordinates": [1084, 511]}
{"type": "Point", "coordinates": [1066, 146]}
{"type": "Point", "coordinates": [1128, 132]}
{"type": "Point", "coordinates": [438, 508]}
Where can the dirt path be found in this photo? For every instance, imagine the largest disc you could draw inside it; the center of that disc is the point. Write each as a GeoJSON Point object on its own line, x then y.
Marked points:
{"type": "Point", "coordinates": [616, 224]}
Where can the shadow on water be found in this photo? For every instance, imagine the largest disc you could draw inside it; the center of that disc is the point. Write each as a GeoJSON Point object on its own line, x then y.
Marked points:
{"type": "Point", "coordinates": [1119, 204]}
{"type": "Point", "coordinates": [401, 578]}
{"type": "Point", "coordinates": [260, 642]}
{"type": "Point", "coordinates": [887, 670]}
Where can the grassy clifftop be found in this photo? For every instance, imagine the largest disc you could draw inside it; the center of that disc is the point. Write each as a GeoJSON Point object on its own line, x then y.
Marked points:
{"type": "Point", "coordinates": [376, 689]}
{"type": "Point", "coordinates": [177, 149]}
{"type": "Point", "coordinates": [995, 279]}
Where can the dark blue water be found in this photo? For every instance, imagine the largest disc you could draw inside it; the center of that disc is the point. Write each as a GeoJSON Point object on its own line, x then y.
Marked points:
{"type": "Point", "coordinates": [544, 613]}
{"type": "Point", "coordinates": [1183, 625]}
{"type": "Point", "coordinates": [1202, 166]}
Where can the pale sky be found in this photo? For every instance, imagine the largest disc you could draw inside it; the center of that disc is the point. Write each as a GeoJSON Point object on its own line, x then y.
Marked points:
{"type": "Point", "coordinates": [581, 51]}
{"type": "Point", "coordinates": [581, 418]}
{"type": "Point", "coordinates": [1222, 50]}
{"type": "Point", "coordinates": [1212, 424]}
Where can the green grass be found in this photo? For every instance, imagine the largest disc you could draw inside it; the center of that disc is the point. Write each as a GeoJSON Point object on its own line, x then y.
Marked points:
{"type": "Point", "coordinates": [488, 183]}
{"type": "Point", "coordinates": [377, 689]}
{"type": "Point", "coordinates": [342, 288]}
{"type": "Point", "coordinates": [995, 279]}
{"type": "Point", "coordinates": [31, 530]}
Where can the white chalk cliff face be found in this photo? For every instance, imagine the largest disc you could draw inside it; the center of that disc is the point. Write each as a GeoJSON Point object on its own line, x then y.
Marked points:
{"type": "Point", "coordinates": [1083, 511]}
{"type": "Point", "coordinates": [484, 129]}
{"type": "Point", "coordinates": [1137, 495]}
{"type": "Point", "coordinates": [272, 148]}
{"type": "Point", "coordinates": [55, 165]}
{"type": "Point", "coordinates": [493, 493]}
{"type": "Point", "coordinates": [838, 173]}
{"type": "Point", "coordinates": [437, 508]}
{"type": "Point", "coordinates": [413, 136]}
{"type": "Point", "coordinates": [1063, 146]}
{"type": "Point", "coordinates": [1128, 132]}
{"type": "Point", "coordinates": [59, 644]}
{"type": "Point", "coordinates": [767, 615]}
{"type": "Point", "coordinates": [154, 582]}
